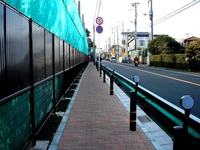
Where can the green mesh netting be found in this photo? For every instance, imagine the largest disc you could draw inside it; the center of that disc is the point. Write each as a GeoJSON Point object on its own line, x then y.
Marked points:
{"type": "Point", "coordinates": [58, 87]}
{"type": "Point", "coordinates": [43, 100]}
{"type": "Point", "coordinates": [58, 16]}
{"type": "Point", "coordinates": [15, 122]}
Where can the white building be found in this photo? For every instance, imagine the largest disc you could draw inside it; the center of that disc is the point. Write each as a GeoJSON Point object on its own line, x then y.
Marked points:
{"type": "Point", "coordinates": [138, 49]}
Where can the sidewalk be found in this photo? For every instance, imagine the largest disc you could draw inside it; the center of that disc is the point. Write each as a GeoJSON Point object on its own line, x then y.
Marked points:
{"type": "Point", "coordinates": [97, 120]}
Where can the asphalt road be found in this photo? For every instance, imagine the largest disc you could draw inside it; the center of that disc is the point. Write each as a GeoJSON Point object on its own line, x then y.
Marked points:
{"type": "Point", "coordinates": [171, 85]}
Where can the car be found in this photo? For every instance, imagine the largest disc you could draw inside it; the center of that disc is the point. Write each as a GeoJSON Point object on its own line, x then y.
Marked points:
{"type": "Point", "coordinates": [107, 59]}
{"type": "Point", "coordinates": [113, 59]}
{"type": "Point", "coordinates": [126, 60]}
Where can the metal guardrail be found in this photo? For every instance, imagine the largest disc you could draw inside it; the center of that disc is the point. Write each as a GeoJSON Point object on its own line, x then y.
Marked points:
{"type": "Point", "coordinates": [164, 113]}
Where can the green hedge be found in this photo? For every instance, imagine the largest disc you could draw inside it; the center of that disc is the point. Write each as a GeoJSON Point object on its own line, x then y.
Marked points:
{"type": "Point", "coordinates": [176, 61]}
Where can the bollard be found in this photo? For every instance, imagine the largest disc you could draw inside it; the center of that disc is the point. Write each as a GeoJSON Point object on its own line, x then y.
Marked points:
{"type": "Point", "coordinates": [187, 102]}
{"type": "Point", "coordinates": [181, 140]}
{"type": "Point", "coordinates": [111, 83]}
{"type": "Point", "coordinates": [133, 99]}
{"type": "Point", "coordinates": [133, 102]}
{"type": "Point", "coordinates": [100, 69]}
{"type": "Point", "coordinates": [96, 65]}
{"type": "Point", "coordinates": [186, 120]}
{"type": "Point", "coordinates": [104, 75]}
{"type": "Point", "coordinates": [178, 140]}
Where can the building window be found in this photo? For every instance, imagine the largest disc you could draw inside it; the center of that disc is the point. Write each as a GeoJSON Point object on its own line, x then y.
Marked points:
{"type": "Point", "coordinates": [141, 42]}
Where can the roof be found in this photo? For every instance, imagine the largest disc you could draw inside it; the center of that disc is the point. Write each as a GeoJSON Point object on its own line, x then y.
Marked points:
{"type": "Point", "coordinates": [193, 38]}
{"type": "Point", "coordinates": [139, 34]}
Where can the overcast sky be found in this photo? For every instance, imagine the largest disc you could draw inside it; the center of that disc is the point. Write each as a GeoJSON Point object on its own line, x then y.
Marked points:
{"type": "Point", "coordinates": [114, 12]}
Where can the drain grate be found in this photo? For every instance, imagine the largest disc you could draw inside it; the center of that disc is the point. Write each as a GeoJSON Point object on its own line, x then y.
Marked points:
{"type": "Point", "coordinates": [144, 119]}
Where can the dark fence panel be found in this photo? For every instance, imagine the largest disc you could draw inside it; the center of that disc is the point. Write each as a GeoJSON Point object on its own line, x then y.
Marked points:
{"type": "Point", "coordinates": [36, 68]}
{"type": "Point", "coordinates": [56, 54]}
{"type": "Point", "coordinates": [17, 52]}
{"type": "Point", "coordinates": [61, 58]}
{"type": "Point", "coordinates": [38, 53]}
{"type": "Point", "coordinates": [71, 56]}
{"type": "Point", "coordinates": [48, 53]}
{"type": "Point", "coordinates": [2, 55]}
{"type": "Point", "coordinates": [66, 56]}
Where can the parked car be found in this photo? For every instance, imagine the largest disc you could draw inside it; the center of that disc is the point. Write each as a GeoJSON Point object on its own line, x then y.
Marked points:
{"type": "Point", "coordinates": [107, 59]}
{"type": "Point", "coordinates": [126, 60]}
{"type": "Point", "coordinates": [113, 59]}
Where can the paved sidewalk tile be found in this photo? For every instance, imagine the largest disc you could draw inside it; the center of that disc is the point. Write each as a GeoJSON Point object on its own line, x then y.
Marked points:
{"type": "Point", "coordinates": [98, 120]}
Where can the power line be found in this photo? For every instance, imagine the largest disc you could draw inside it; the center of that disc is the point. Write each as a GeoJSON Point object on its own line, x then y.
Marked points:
{"type": "Point", "coordinates": [183, 8]}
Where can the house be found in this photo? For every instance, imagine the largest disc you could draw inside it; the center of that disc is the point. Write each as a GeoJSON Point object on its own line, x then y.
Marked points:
{"type": "Point", "coordinates": [139, 48]}
{"type": "Point", "coordinates": [189, 40]}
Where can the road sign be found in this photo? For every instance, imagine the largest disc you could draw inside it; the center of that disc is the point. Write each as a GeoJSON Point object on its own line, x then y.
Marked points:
{"type": "Point", "coordinates": [99, 20]}
{"type": "Point", "coordinates": [99, 29]}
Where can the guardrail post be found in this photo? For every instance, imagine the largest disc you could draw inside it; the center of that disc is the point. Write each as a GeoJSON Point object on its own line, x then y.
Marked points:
{"type": "Point", "coordinates": [133, 102]}
{"type": "Point", "coordinates": [133, 99]}
{"type": "Point", "coordinates": [104, 75]}
{"type": "Point", "coordinates": [180, 133]}
{"type": "Point", "coordinates": [100, 69]}
{"type": "Point", "coordinates": [179, 142]}
{"type": "Point", "coordinates": [111, 83]}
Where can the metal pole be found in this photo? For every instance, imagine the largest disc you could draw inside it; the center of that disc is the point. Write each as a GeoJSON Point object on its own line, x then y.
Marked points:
{"type": "Point", "coordinates": [151, 33]}
{"type": "Point", "coordinates": [151, 18]}
{"type": "Point", "coordinates": [117, 45]}
{"type": "Point", "coordinates": [99, 56]}
{"type": "Point", "coordinates": [186, 120]}
{"type": "Point", "coordinates": [104, 75]}
{"type": "Point", "coordinates": [32, 104]}
{"type": "Point", "coordinates": [178, 140]}
{"type": "Point", "coordinates": [111, 82]}
{"type": "Point", "coordinates": [94, 48]}
{"type": "Point", "coordinates": [135, 5]}
{"type": "Point", "coordinates": [133, 100]}
{"type": "Point", "coordinates": [79, 9]}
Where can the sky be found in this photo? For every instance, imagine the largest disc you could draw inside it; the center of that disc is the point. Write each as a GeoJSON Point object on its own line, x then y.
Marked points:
{"type": "Point", "coordinates": [118, 12]}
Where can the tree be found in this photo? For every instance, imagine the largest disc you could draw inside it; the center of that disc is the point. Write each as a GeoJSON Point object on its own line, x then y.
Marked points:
{"type": "Point", "coordinates": [164, 44]}
{"type": "Point", "coordinates": [193, 50]}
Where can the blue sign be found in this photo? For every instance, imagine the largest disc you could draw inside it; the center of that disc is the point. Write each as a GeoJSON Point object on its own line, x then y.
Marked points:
{"type": "Point", "coordinates": [99, 29]}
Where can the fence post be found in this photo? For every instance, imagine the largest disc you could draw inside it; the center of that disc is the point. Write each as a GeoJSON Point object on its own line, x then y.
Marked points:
{"type": "Point", "coordinates": [133, 102]}
{"type": "Point", "coordinates": [111, 83]}
{"type": "Point", "coordinates": [104, 75]}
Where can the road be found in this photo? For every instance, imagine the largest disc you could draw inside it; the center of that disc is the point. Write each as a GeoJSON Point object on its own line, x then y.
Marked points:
{"type": "Point", "coordinates": [168, 84]}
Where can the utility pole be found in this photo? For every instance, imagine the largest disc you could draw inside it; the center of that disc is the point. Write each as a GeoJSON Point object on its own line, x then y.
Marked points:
{"type": "Point", "coordinates": [151, 18]}
{"type": "Point", "coordinates": [79, 8]}
{"type": "Point", "coordinates": [151, 25]}
{"type": "Point", "coordinates": [94, 43]}
{"type": "Point", "coordinates": [135, 5]}
{"type": "Point", "coordinates": [117, 44]}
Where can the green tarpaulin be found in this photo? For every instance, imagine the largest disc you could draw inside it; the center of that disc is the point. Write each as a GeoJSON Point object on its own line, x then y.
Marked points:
{"type": "Point", "coordinates": [58, 16]}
